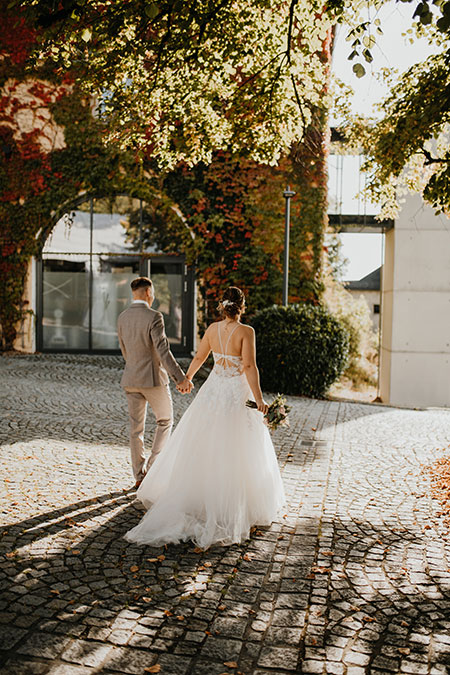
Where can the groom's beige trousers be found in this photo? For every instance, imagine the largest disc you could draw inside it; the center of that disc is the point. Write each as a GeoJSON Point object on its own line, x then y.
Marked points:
{"type": "Point", "coordinates": [160, 401]}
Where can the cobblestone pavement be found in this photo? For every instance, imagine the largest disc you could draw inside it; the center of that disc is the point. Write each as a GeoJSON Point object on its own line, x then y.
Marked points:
{"type": "Point", "coordinates": [353, 578]}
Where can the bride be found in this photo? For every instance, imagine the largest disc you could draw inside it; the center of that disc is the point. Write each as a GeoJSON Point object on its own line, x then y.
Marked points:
{"type": "Point", "coordinates": [218, 474]}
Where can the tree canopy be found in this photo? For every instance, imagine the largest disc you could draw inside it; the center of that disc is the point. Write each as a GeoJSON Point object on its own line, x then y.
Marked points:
{"type": "Point", "coordinates": [179, 79]}
{"type": "Point", "coordinates": [409, 147]}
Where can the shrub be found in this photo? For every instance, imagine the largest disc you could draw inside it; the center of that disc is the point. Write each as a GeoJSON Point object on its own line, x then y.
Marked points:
{"type": "Point", "coordinates": [301, 349]}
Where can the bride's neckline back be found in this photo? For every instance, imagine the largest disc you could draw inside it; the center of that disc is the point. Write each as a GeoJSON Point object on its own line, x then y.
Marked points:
{"type": "Point", "coordinates": [223, 350]}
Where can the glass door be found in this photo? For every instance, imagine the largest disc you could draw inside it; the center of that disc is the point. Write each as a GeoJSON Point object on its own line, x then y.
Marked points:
{"type": "Point", "coordinates": [175, 298]}
{"type": "Point", "coordinates": [111, 294]}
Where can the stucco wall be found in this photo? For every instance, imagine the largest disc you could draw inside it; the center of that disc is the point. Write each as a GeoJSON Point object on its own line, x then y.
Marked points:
{"type": "Point", "coordinates": [26, 333]}
{"type": "Point", "coordinates": [415, 347]}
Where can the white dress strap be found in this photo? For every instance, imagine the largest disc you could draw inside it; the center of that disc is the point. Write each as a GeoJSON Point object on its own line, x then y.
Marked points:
{"type": "Point", "coordinates": [226, 345]}
{"type": "Point", "coordinates": [220, 337]}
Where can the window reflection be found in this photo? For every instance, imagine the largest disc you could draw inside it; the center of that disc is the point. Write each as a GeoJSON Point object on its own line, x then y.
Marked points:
{"type": "Point", "coordinates": [65, 320]}
{"type": "Point", "coordinates": [111, 294]}
{"type": "Point", "coordinates": [168, 282]}
{"type": "Point", "coordinates": [88, 264]}
{"type": "Point", "coordinates": [116, 225]}
{"type": "Point", "coordinates": [71, 235]}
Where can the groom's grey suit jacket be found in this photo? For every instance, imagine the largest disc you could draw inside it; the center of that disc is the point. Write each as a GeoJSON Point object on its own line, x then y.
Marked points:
{"type": "Point", "coordinates": [145, 348]}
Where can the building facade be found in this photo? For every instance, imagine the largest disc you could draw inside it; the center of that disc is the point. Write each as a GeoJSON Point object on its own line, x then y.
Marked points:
{"type": "Point", "coordinates": [80, 284]}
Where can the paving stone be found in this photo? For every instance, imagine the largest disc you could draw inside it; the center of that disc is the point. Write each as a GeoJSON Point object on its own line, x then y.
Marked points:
{"type": "Point", "coordinates": [87, 653]}
{"type": "Point", "coordinates": [350, 572]}
{"type": "Point", "coordinates": [43, 645]}
{"type": "Point", "coordinates": [19, 666]}
{"type": "Point", "coordinates": [130, 661]}
{"type": "Point", "coordinates": [280, 657]}
{"type": "Point", "coordinates": [10, 636]}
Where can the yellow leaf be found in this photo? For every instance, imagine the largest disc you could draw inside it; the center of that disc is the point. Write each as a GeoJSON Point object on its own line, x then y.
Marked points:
{"type": "Point", "coordinates": [152, 559]}
{"type": "Point", "coordinates": [161, 557]}
{"type": "Point", "coordinates": [180, 617]}
{"type": "Point", "coordinates": [145, 598]}
{"type": "Point", "coordinates": [153, 669]}
{"type": "Point", "coordinates": [197, 549]}
{"type": "Point", "coordinates": [230, 664]}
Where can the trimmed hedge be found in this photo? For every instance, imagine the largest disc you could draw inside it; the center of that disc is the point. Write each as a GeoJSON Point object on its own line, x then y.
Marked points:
{"type": "Point", "coordinates": [300, 349]}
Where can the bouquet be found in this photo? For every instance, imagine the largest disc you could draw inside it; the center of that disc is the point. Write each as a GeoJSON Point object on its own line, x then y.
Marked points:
{"type": "Point", "coordinates": [277, 415]}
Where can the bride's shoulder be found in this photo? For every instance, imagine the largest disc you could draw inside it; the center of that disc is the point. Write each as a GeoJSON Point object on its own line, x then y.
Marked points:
{"type": "Point", "coordinates": [247, 330]}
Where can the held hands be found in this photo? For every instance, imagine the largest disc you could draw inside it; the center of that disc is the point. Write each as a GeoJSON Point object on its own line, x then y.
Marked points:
{"type": "Point", "coordinates": [185, 387]}
{"type": "Point", "coordinates": [262, 405]}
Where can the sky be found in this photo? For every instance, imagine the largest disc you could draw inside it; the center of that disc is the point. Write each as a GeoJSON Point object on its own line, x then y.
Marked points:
{"type": "Point", "coordinates": [392, 50]}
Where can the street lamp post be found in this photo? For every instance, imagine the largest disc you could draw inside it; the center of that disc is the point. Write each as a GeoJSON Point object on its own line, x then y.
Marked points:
{"type": "Point", "coordinates": [287, 194]}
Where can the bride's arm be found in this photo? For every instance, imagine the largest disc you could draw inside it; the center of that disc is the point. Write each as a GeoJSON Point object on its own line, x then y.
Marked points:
{"type": "Point", "coordinates": [251, 369]}
{"type": "Point", "coordinates": [200, 357]}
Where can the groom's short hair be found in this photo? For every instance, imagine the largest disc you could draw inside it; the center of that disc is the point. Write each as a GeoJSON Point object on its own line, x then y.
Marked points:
{"type": "Point", "coordinates": [141, 282]}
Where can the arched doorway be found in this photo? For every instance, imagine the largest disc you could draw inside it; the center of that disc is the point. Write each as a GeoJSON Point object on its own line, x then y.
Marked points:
{"type": "Point", "coordinates": [84, 277]}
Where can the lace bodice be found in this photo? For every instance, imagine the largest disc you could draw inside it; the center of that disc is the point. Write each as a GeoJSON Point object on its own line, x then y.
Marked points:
{"type": "Point", "coordinates": [226, 365]}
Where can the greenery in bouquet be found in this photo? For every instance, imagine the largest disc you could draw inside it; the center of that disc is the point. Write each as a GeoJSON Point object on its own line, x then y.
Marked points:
{"type": "Point", "coordinates": [277, 414]}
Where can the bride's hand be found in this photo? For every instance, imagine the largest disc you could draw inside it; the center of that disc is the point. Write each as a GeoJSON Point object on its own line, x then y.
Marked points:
{"type": "Point", "coordinates": [262, 405]}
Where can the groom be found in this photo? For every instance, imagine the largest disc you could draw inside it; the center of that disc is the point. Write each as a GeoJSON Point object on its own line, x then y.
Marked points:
{"type": "Point", "coordinates": [148, 359]}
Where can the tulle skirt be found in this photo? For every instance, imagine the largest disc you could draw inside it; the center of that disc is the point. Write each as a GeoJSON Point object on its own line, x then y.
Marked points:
{"type": "Point", "coordinates": [217, 476]}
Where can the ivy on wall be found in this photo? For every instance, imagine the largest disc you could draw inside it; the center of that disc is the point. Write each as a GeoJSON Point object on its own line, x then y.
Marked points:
{"type": "Point", "coordinates": [227, 217]}
{"type": "Point", "coordinates": [51, 150]}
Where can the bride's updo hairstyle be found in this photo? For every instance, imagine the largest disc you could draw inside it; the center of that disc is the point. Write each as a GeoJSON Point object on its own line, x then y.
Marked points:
{"type": "Point", "coordinates": [232, 303]}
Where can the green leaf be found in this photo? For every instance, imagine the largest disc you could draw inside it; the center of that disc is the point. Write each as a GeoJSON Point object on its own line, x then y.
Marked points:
{"type": "Point", "coordinates": [359, 70]}
{"type": "Point", "coordinates": [352, 55]}
{"type": "Point", "coordinates": [426, 19]}
{"type": "Point", "coordinates": [443, 24]}
{"type": "Point", "coordinates": [86, 35]}
{"type": "Point", "coordinates": [369, 41]}
{"type": "Point", "coordinates": [367, 55]}
{"type": "Point", "coordinates": [151, 10]}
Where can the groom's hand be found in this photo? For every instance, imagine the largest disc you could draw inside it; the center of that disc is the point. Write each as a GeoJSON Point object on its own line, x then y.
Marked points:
{"type": "Point", "coordinates": [185, 387]}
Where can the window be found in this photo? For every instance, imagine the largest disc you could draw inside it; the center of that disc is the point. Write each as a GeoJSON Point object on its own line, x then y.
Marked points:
{"type": "Point", "coordinates": [88, 263]}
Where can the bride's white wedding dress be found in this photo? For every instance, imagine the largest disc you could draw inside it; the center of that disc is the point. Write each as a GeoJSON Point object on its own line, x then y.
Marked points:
{"type": "Point", "coordinates": [218, 474]}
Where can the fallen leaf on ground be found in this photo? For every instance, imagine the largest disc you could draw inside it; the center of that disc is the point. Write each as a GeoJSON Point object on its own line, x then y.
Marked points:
{"type": "Point", "coordinates": [197, 549]}
{"type": "Point", "coordinates": [161, 557]}
{"type": "Point", "coordinates": [153, 669]}
{"type": "Point", "coordinates": [146, 598]}
{"type": "Point", "coordinates": [180, 617]}
{"type": "Point", "coordinates": [230, 664]}
{"type": "Point", "coordinates": [404, 650]}
{"type": "Point", "coordinates": [134, 568]}
{"type": "Point", "coordinates": [320, 570]}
